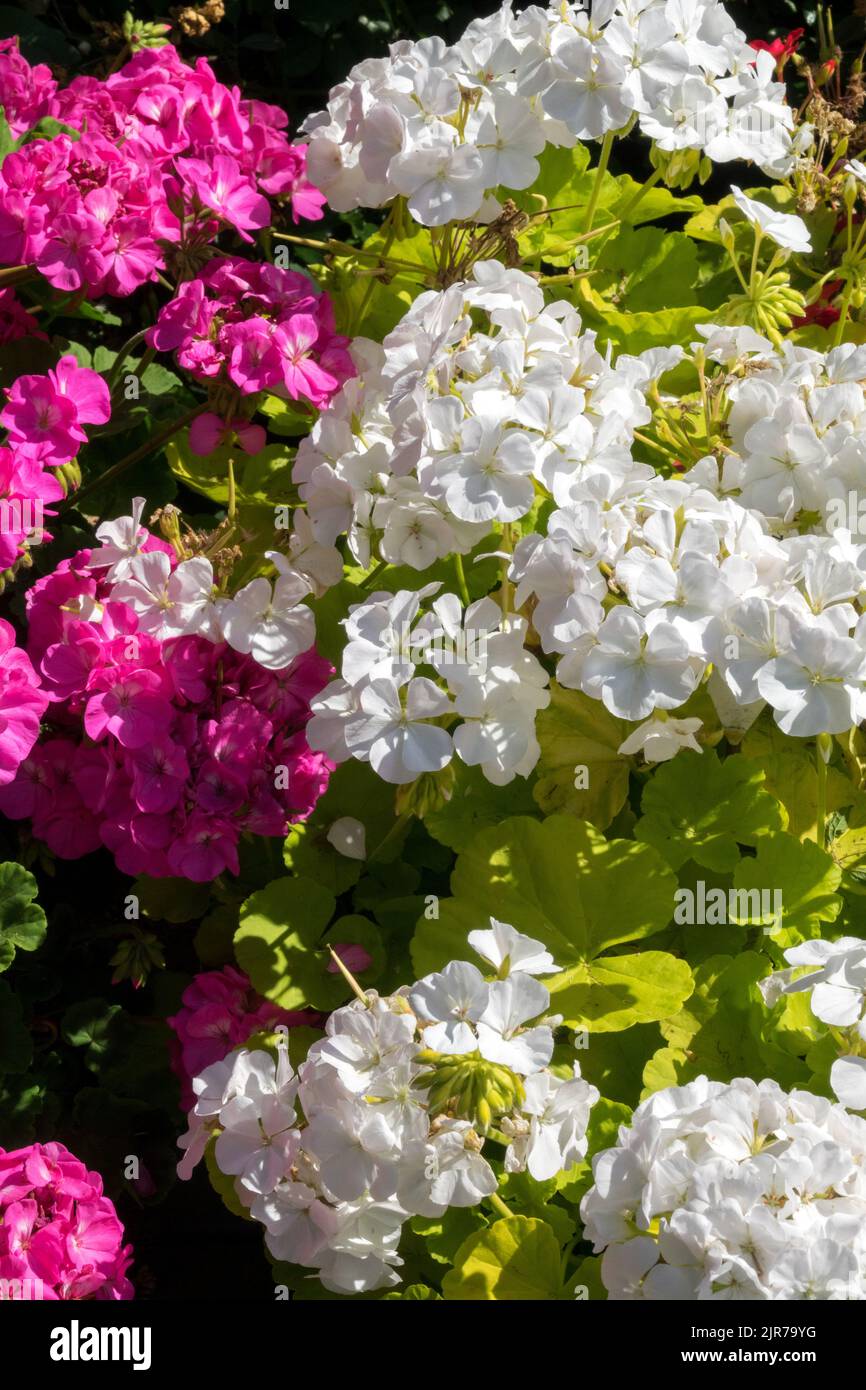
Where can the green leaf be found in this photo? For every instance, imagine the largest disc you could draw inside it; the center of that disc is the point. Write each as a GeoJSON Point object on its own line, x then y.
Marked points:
{"type": "Point", "coordinates": [577, 733]}
{"type": "Point", "coordinates": [790, 775]}
{"type": "Point", "coordinates": [635, 332]}
{"type": "Point", "coordinates": [647, 269]}
{"type": "Point", "coordinates": [807, 877]}
{"type": "Point", "coordinates": [22, 921]}
{"type": "Point", "coordinates": [696, 807]}
{"type": "Point", "coordinates": [89, 1024]}
{"type": "Point", "coordinates": [557, 880]}
{"type": "Point", "coordinates": [264, 479]}
{"type": "Point", "coordinates": [724, 1031]}
{"type": "Point", "coordinates": [614, 1062]}
{"type": "Point", "coordinates": [280, 943]}
{"type": "Point", "coordinates": [443, 1235]}
{"type": "Point", "coordinates": [309, 853]}
{"type": "Point", "coordinates": [516, 1258]}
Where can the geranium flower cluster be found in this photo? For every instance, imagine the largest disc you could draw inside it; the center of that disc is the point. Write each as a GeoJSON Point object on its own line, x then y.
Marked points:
{"type": "Point", "coordinates": [391, 1113]}
{"type": "Point", "coordinates": [219, 1011]}
{"type": "Point", "coordinates": [450, 429]}
{"type": "Point", "coordinates": [446, 126]}
{"type": "Point", "coordinates": [158, 159]}
{"type": "Point", "coordinates": [836, 981]}
{"type": "Point", "coordinates": [245, 326]}
{"type": "Point", "coordinates": [44, 417]}
{"type": "Point", "coordinates": [59, 1234]}
{"type": "Point", "coordinates": [640, 582]}
{"type": "Point", "coordinates": [739, 1191]}
{"type": "Point", "coordinates": [392, 704]}
{"type": "Point", "coordinates": [163, 747]}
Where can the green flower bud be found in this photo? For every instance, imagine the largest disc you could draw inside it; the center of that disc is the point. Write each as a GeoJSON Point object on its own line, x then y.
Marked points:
{"type": "Point", "coordinates": [468, 1087]}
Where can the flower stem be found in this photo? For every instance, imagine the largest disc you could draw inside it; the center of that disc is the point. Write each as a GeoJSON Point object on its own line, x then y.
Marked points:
{"type": "Point", "coordinates": [15, 274]}
{"type": "Point", "coordinates": [396, 830]}
{"type": "Point", "coordinates": [604, 158]}
{"type": "Point", "coordinates": [843, 314]}
{"type": "Point", "coordinates": [821, 815]}
{"type": "Point", "coordinates": [498, 1205]}
{"type": "Point", "coordinates": [461, 579]}
{"type": "Point", "coordinates": [639, 195]}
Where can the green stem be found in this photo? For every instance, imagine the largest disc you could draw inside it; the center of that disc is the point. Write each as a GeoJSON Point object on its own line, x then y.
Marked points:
{"type": "Point", "coordinates": [343, 248]}
{"type": "Point", "coordinates": [821, 816]}
{"type": "Point", "coordinates": [393, 834]}
{"type": "Point", "coordinates": [16, 274]}
{"type": "Point", "coordinates": [461, 579]}
{"type": "Point", "coordinates": [371, 578]}
{"type": "Point", "coordinates": [607, 146]}
{"type": "Point", "coordinates": [498, 1205]}
{"type": "Point", "coordinates": [843, 314]}
{"type": "Point", "coordinates": [638, 196]}
{"type": "Point", "coordinates": [358, 316]}
{"type": "Point", "coordinates": [149, 447]}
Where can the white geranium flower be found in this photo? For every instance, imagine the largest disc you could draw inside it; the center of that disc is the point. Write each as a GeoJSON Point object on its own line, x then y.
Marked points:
{"type": "Point", "coordinates": [559, 1112]}
{"type": "Point", "coordinates": [635, 669]}
{"type": "Point", "coordinates": [502, 1036]}
{"type": "Point", "coordinates": [169, 603]}
{"type": "Point", "coordinates": [445, 1171]}
{"type": "Point", "coordinates": [508, 950]}
{"type": "Point", "coordinates": [786, 230]}
{"type": "Point", "coordinates": [122, 541]}
{"type": "Point", "coordinates": [395, 736]}
{"type": "Point", "coordinates": [272, 625]}
{"type": "Point", "coordinates": [661, 739]}
{"type": "Point", "coordinates": [450, 1001]}
{"type": "Point", "coordinates": [816, 686]}
{"type": "Point", "coordinates": [442, 183]}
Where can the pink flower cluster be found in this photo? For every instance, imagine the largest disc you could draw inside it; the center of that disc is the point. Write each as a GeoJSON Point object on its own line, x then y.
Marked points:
{"type": "Point", "coordinates": [165, 154]}
{"type": "Point", "coordinates": [164, 752]}
{"type": "Point", "coordinates": [22, 704]}
{"type": "Point", "coordinates": [45, 417]}
{"type": "Point", "coordinates": [220, 1011]}
{"type": "Point", "coordinates": [58, 1231]}
{"type": "Point", "coordinates": [250, 326]}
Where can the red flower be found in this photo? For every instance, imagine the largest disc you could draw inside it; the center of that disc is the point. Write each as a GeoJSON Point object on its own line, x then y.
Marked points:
{"type": "Point", "coordinates": [781, 49]}
{"type": "Point", "coordinates": [822, 312]}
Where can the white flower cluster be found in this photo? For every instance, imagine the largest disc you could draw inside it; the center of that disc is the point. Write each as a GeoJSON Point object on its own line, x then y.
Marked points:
{"type": "Point", "coordinates": [269, 622]}
{"type": "Point", "coordinates": [333, 1160]}
{"type": "Point", "coordinates": [739, 1191]}
{"type": "Point", "coordinates": [837, 985]}
{"type": "Point", "coordinates": [449, 429]}
{"type": "Point", "coordinates": [639, 583]}
{"type": "Point", "coordinates": [380, 711]}
{"type": "Point", "coordinates": [444, 126]}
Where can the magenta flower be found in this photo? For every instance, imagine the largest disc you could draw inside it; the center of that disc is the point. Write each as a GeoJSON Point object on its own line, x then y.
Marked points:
{"type": "Point", "coordinates": [22, 704]}
{"type": "Point", "coordinates": [129, 706]}
{"type": "Point", "coordinates": [58, 1227]}
{"type": "Point", "coordinates": [303, 376]}
{"type": "Point", "coordinates": [207, 432]}
{"type": "Point", "coordinates": [223, 187]}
